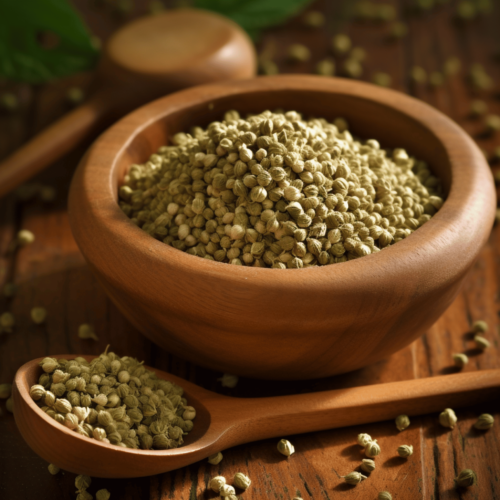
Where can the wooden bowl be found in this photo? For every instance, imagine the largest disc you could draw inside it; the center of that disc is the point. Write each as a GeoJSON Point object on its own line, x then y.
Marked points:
{"type": "Point", "coordinates": [285, 324]}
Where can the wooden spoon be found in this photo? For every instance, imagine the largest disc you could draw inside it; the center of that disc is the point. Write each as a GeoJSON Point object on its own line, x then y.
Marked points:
{"type": "Point", "coordinates": [222, 422]}
{"type": "Point", "coordinates": [144, 60]}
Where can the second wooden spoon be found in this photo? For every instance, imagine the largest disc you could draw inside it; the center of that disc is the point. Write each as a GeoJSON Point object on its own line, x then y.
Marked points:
{"type": "Point", "coordinates": [223, 422]}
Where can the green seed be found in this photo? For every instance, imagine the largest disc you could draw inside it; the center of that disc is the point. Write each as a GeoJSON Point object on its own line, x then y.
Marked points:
{"type": "Point", "coordinates": [341, 43]}
{"type": "Point", "coordinates": [478, 107]}
{"type": "Point", "coordinates": [382, 79]}
{"type": "Point", "coordinates": [436, 79]}
{"type": "Point", "coordinates": [398, 30]}
{"type": "Point", "coordinates": [326, 67]}
{"type": "Point", "coordinates": [418, 74]}
{"type": "Point", "coordinates": [9, 101]}
{"type": "Point", "coordinates": [466, 10]}
{"type": "Point", "coordinates": [352, 68]}
{"type": "Point", "coordinates": [298, 53]}
{"type": "Point", "coordinates": [314, 19]}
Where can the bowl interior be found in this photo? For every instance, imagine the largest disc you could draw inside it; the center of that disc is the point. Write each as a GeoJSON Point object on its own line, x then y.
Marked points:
{"type": "Point", "coordinates": [367, 118]}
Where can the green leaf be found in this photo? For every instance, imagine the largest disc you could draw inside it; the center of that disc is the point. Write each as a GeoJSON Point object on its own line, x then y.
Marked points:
{"type": "Point", "coordinates": [22, 56]}
{"type": "Point", "coordinates": [254, 15]}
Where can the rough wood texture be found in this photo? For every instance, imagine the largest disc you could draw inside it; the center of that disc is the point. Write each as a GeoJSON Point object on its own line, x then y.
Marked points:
{"type": "Point", "coordinates": [223, 422]}
{"type": "Point", "coordinates": [313, 317]}
{"type": "Point", "coordinates": [145, 60]}
{"type": "Point", "coordinates": [52, 273]}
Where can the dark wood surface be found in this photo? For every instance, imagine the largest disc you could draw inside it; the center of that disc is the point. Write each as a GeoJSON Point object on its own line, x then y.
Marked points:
{"type": "Point", "coordinates": [53, 274]}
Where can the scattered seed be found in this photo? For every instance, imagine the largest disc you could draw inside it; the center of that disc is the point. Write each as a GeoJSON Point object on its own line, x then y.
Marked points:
{"type": "Point", "coordinates": [216, 483]}
{"type": "Point", "coordinates": [341, 44]}
{"type": "Point", "coordinates": [354, 478]}
{"type": "Point", "coordinates": [298, 53]}
{"type": "Point", "coordinates": [418, 74]}
{"type": "Point", "coordinates": [9, 290]}
{"type": "Point", "coordinates": [384, 495]}
{"type": "Point", "coordinates": [436, 79]}
{"type": "Point", "coordinates": [326, 67]}
{"type": "Point", "coordinates": [358, 53]}
{"type": "Point", "coordinates": [268, 67]}
{"type": "Point", "coordinates": [385, 12]}
{"type": "Point", "coordinates": [228, 380]}
{"type": "Point", "coordinates": [53, 469]}
{"type": "Point", "coordinates": [452, 66]}
{"type": "Point", "coordinates": [466, 10]}
{"type": "Point", "coordinates": [405, 450]}
{"type": "Point", "coordinates": [103, 495]}
{"type": "Point", "coordinates": [75, 95]}
{"type": "Point", "coordinates": [492, 123]}
{"type": "Point", "coordinates": [38, 315]}
{"type": "Point", "coordinates": [402, 422]}
{"type": "Point", "coordinates": [215, 459]}
{"type": "Point", "coordinates": [481, 342]}
{"type": "Point", "coordinates": [367, 465]}
{"type": "Point", "coordinates": [398, 30]}
{"type": "Point", "coordinates": [447, 418]}
{"type": "Point", "coordinates": [87, 332]}
{"type": "Point", "coordinates": [382, 79]}
{"type": "Point", "coordinates": [25, 237]}
{"type": "Point", "coordinates": [313, 19]}
{"type": "Point", "coordinates": [9, 101]}
{"type": "Point", "coordinates": [47, 194]}
{"type": "Point", "coordinates": [478, 107]}
{"type": "Point", "coordinates": [460, 360]}
{"type": "Point", "coordinates": [7, 322]}
{"type": "Point", "coordinates": [484, 422]}
{"type": "Point", "coordinates": [352, 68]}
{"type": "Point", "coordinates": [466, 478]}
{"type": "Point", "coordinates": [5, 391]}
{"type": "Point", "coordinates": [480, 326]}
{"type": "Point", "coordinates": [286, 448]}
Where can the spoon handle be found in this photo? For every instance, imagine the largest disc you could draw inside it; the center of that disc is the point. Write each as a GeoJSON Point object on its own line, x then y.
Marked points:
{"type": "Point", "coordinates": [262, 418]}
{"type": "Point", "coordinates": [58, 139]}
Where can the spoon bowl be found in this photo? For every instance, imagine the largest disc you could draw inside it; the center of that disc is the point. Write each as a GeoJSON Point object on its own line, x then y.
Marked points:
{"type": "Point", "coordinates": [222, 422]}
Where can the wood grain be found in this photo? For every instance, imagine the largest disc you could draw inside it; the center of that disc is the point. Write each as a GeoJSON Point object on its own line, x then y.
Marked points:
{"type": "Point", "coordinates": [51, 272]}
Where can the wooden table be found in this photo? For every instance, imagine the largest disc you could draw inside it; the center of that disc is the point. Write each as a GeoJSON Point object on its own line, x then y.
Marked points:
{"type": "Point", "coordinates": [52, 273]}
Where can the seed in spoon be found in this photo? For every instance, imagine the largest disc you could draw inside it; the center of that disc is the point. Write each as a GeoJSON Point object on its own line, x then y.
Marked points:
{"type": "Point", "coordinates": [143, 411]}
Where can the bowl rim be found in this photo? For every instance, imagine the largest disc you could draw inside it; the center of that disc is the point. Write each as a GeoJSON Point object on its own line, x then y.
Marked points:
{"type": "Point", "coordinates": [92, 200]}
